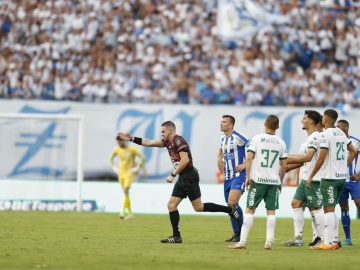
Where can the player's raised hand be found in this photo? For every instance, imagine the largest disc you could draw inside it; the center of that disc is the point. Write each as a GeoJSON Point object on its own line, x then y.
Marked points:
{"type": "Point", "coordinates": [124, 136]}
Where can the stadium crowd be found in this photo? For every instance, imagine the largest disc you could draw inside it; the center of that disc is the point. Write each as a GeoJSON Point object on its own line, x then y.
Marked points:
{"type": "Point", "coordinates": [166, 51]}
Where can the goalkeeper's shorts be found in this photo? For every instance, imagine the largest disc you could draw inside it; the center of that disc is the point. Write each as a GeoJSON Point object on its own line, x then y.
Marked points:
{"type": "Point", "coordinates": [126, 179]}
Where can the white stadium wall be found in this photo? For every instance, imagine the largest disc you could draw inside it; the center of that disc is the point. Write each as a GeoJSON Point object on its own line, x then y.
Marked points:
{"type": "Point", "coordinates": [25, 195]}
{"type": "Point", "coordinates": [198, 124]}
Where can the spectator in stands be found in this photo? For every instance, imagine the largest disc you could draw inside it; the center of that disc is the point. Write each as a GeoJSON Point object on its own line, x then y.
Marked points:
{"type": "Point", "coordinates": [168, 52]}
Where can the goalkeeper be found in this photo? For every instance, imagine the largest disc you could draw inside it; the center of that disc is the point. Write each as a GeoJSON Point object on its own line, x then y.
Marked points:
{"type": "Point", "coordinates": [126, 170]}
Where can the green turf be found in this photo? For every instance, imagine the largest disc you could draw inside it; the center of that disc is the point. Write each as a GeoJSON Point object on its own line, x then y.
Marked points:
{"type": "Point", "coordinates": [36, 240]}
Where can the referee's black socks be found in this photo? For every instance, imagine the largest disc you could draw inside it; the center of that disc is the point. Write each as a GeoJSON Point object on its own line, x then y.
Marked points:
{"type": "Point", "coordinates": [213, 207]}
{"type": "Point", "coordinates": [175, 219]}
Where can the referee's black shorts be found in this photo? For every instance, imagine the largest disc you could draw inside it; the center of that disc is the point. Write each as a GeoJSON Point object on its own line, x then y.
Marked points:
{"type": "Point", "coordinates": [187, 185]}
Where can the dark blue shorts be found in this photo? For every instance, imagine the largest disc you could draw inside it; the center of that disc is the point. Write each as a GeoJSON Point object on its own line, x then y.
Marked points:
{"type": "Point", "coordinates": [351, 188]}
{"type": "Point", "coordinates": [237, 183]}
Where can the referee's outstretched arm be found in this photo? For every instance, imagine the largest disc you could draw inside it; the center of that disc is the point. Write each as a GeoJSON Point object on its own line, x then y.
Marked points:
{"type": "Point", "coordinates": [140, 141]}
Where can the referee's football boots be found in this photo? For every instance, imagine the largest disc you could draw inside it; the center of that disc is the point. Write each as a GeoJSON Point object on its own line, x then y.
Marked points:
{"type": "Point", "coordinates": [172, 240]}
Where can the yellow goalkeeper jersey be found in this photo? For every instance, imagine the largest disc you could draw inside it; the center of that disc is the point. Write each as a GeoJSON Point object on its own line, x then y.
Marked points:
{"type": "Point", "coordinates": [126, 156]}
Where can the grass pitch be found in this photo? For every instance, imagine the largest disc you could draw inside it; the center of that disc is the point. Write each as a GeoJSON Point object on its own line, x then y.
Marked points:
{"type": "Point", "coordinates": [38, 240]}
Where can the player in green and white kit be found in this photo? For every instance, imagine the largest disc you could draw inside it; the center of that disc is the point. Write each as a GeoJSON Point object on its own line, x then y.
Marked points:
{"type": "Point", "coordinates": [265, 170]}
{"type": "Point", "coordinates": [334, 158]}
{"type": "Point", "coordinates": [304, 196]}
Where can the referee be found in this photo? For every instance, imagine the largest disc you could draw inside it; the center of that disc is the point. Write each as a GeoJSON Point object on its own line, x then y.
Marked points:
{"type": "Point", "coordinates": [188, 182]}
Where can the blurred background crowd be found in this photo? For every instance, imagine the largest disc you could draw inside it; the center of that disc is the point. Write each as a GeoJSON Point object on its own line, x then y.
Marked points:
{"type": "Point", "coordinates": [166, 51]}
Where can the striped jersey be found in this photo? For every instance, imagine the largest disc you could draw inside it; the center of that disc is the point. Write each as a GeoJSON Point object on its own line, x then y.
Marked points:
{"type": "Point", "coordinates": [335, 164]}
{"type": "Point", "coordinates": [233, 149]}
{"type": "Point", "coordinates": [354, 167]}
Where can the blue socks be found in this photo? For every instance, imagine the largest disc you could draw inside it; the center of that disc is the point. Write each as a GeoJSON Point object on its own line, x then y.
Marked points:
{"type": "Point", "coordinates": [234, 223]}
{"type": "Point", "coordinates": [345, 221]}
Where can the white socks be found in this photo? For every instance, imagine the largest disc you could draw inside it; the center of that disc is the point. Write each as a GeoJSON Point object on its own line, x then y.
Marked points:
{"type": "Point", "coordinates": [248, 222]}
{"type": "Point", "coordinates": [336, 229]}
{"type": "Point", "coordinates": [246, 227]}
{"type": "Point", "coordinates": [318, 223]}
{"type": "Point", "coordinates": [270, 228]}
{"type": "Point", "coordinates": [314, 229]}
{"type": "Point", "coordinates": [331, 228]}
{"type": "Point", "coordinates": [298, 217]}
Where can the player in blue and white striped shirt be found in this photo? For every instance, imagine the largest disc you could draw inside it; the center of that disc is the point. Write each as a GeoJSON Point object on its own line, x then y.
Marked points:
{"type": "Point", "coordinates": [231, 161]}
{"type": "Point", "coordinates": [352, 185]}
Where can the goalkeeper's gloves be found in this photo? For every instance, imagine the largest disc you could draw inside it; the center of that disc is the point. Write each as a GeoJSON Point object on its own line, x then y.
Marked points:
{"type": "Point", "coordinates": [115, 169]}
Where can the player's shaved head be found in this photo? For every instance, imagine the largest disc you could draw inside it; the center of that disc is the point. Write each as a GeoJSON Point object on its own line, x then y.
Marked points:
{"type": "Point", "coordinates": [344, 122]}
{"type": "Point", "coordinates": [343, 125]}
{"type": "Point", "coordinates": [272, 122]}
{"type": "Point", "coordinates": [332, 115]}
{"type": "Point", "coordinates": [230, 117]}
